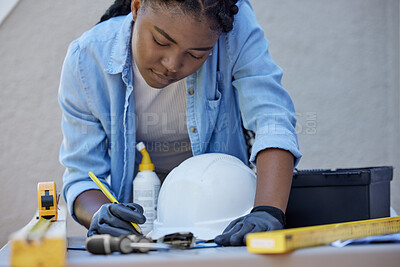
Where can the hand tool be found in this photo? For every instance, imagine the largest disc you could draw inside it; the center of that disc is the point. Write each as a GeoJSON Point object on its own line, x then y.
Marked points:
{"type": "Point", "coordinates": [47, 207]}
{"type": "Point", "coordinates": [282, 241]}
{"type": "Point", "coordinates": [181, 240]}
{"type": "Point", "coordinates": [110, 197]}
{"type": "Point", "coordinates": [107, 244]}
{"type": "Point", "coordinates": [47, 200]}
{"type": "Point", "coordinates": [42, 242]}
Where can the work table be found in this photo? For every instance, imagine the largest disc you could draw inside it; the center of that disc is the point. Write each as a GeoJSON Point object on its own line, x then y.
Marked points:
{"type": "Point", "coordinates": [357, 255]}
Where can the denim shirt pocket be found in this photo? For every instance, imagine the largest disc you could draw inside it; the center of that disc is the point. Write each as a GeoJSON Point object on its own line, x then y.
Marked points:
{"type": "Point", "coordinates": [213, 104]}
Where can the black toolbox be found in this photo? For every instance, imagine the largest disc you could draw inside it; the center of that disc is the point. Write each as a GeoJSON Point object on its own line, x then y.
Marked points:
{"type": "Point", "coordinates": [341, 195]}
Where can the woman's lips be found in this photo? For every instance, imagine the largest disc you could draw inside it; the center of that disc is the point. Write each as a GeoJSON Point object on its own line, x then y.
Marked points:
{"type": "Point", "coordinates": [162, 77]}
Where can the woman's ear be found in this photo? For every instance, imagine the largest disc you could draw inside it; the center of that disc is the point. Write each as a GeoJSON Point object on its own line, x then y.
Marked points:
{"type": "Point", "coordinates": [135, 5]}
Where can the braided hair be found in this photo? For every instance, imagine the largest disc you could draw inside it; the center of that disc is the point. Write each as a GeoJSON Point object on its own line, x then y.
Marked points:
{"type": "Point", "coordinates": [222, 11]}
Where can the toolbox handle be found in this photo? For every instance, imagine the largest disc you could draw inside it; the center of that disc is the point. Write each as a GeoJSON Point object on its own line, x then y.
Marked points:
{"type": "Point", "coordinates": [340, 173]}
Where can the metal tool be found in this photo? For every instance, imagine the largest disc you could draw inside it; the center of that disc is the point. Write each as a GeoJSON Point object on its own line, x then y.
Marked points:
{"type": "Point", "coordinates": [107, 244]}
{"type": "Point", "coordinates": [181, 240]}
{"type": "Point", "coordinates": [282, 241]}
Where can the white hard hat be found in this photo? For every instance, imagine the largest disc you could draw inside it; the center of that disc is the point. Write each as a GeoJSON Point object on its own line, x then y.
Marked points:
{"type": "Point", "coordinates": [203, 195]}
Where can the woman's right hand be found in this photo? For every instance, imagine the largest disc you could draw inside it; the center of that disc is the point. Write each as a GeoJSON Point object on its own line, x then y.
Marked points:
{"type": "Point", "coordinates": [115, 219]}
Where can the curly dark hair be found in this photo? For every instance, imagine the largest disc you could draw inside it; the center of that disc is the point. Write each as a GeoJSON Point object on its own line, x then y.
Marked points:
{"type": "Point", "coordinates": [221, 11]}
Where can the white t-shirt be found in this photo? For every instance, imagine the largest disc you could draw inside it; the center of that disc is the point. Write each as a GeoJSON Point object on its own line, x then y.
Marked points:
{"type": "Point", "coordinates": [161, 122]}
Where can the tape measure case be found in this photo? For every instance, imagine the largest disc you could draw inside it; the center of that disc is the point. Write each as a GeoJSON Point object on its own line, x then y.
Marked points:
{"type": "Point", "coordinates": [341, 195]}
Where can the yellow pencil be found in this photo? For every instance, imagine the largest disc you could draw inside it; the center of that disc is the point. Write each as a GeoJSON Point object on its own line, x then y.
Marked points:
{"type": "Point", "coordinates": [110, 196]}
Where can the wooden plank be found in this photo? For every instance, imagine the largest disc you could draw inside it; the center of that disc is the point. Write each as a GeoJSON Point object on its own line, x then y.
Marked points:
{"type": "Point", "coordinates": [46, 249]}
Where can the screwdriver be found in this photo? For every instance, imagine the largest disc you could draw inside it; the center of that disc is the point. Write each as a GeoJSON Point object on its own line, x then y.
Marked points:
{"type": "Point", "coordinates": [110, 197]}
{"type": "Point", "coordinates": [107, 244]}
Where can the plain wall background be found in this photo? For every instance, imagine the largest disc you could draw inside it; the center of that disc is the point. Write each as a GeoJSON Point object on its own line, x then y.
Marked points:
{"type": "Point", "coordinates": [341, 67]}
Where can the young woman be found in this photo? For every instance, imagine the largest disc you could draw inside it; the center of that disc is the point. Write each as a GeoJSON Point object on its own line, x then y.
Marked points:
{"type": "Point", "coordinates": [183, 76]}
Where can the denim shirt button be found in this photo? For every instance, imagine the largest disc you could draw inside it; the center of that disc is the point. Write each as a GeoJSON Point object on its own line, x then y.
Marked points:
{"type": "Point", "coordinates": [191, 92]}
{"type": "Point", "coordinates": [192, 129]}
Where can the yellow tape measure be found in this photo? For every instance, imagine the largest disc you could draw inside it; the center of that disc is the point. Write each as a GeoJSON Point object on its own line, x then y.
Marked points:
{"type": "Point", "coordinates": [282, 241]}
{"type": "Point", "coordinates": [47, 200]}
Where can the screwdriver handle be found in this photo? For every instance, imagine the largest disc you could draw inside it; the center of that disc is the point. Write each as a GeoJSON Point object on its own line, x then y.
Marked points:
{"type": "Point", "coordinates": [107, 244]}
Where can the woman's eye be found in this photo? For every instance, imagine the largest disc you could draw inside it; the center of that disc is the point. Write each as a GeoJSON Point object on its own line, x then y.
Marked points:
{"type": "Point", "coordinates": [158, 43]}
{"type": "Point", "coordinates": [195, 57]}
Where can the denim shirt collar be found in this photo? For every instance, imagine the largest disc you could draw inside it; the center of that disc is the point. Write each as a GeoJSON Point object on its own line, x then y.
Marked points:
{"type": "Point", "coordinates": [121, 48]}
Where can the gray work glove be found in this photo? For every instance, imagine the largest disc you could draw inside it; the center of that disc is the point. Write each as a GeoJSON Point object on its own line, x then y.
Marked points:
{"type": "Point", "coordinates": [115, 219]}
{"type": "Point", "coordinates": [260, 219]}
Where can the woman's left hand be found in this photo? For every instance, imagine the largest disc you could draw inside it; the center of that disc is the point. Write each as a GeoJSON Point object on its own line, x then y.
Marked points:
{"type": "Point", "coordinates": [261, 219]}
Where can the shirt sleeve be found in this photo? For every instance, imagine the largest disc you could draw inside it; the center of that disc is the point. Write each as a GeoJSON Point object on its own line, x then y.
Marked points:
{"type": "Point", "coordinates": [84, 145]}
{"type": "Point", "coordinates": [266, 107]}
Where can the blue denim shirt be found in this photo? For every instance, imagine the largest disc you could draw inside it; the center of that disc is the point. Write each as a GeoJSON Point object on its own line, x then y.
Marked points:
{"type": "Point", "coordinates": [238, 83]}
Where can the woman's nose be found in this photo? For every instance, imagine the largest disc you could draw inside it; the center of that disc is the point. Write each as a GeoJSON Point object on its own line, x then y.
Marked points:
{"type": "Point", "coordinates": [171, 63]}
